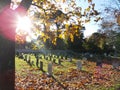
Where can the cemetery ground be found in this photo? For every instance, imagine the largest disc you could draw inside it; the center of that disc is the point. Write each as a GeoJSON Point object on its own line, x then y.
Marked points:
{"type": "Point", "coordinates": [68, 74]}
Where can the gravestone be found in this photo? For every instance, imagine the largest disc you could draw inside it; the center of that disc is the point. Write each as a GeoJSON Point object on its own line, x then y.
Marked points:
{"type": "Point", "coordinates": [105, 54]}
{"type": "Point", "coordinates": [43, 56]}
{"type": "Point", "coordinates": [49, 69]}
{"type": "Point", "coordinates": [59, 61]}
{"type": "Point", "coordinates": [70, 59]}
{"type": "Point", "coordinates": [32, 63]}
{"type": "Point", "coordinates": [61, 57]}
{"type": "Point", "coordinates": [21, 55]}
{"type": "Point", "coordinates": [50, 57]}
{"type": "Point", "coordinates": [37, 61]}
{"type": "Point", "coordinates": [26, 57]}
{"type": "Point", "coordinates": [40, 57]}
{"type": "Point", "coordinates": [29, 59]}
{"type": "Point", "coordinates": [79, 65]}
{"type": "Point", "coordinates": [115, 64]}
{"type": "Point", "coordinates": [91, 55]}
{"type": "Point", "coordinates": [65, 57]}
{"type": "Point", "coordinates": [46, 58]}
{"type": "Point", "coordinates": [99, 63]}
{"type": "Point", "coordinates": [41, 65]}
{"type": "Point", "coordinates": [54, 60]}
{"type": "Point", "coordinates": [84, 58]}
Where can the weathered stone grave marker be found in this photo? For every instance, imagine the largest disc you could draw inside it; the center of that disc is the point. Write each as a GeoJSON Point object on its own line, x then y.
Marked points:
{"type": "Point", "coordinates": [115, 64]}
{"type": "Point", "coordinates": [61, 56]}
{"type": "Point", "coordinates": [66, 57]}
{"type": "Point", "coordinates": [41, 65]}
{"type": "Point", "coordinates": [49, 69]}
{"type": "Point", "coordinates": [29, 59]}
{"type": "Point", "coordinates": [59, 61]}
{"type": "Point", "coordinates": [54, 60]}
{"type": "Point", "coordinates": [70, 59]}
{"type": "Point", "coordinates": [50, 57]}
{"type": "Point", "coordinates": [40, 57]}
{"type": "Point", "coordinates": [37, 61]}
{"type": "Point", "coordinates": [79, 65]}
{"type": "Point", "coordinates": [84, 58]}
{"type": "Point", "coordinates": [43, 56]}
{"type": "Point", "coordinates": [26, 57]}
{"type": "Point", "coordinates": [46, 57]}
{"type": "Point", "coordinates": [99, 63]}
{"type": "Point", "coordinates": [32, 63]}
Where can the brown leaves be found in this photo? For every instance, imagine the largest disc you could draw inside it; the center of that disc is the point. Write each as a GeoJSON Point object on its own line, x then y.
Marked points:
{"type": "Point", "coordinates": [72, 79]}
{"type": "Point", "coordinates": [89, 1]}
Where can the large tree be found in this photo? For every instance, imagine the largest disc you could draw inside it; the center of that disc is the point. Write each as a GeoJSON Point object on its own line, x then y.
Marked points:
{"type": "Point", "coordinates": [7, 41]}
{"type": "Point", "coordinates": [52, 19]}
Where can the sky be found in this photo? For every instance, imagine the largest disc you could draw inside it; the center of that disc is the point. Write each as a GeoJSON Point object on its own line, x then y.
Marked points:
{"type": "Point", "coordinates": [100, 6]}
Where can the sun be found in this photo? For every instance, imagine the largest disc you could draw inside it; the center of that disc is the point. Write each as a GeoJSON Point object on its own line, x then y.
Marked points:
{"type": "Point", "coordinates": [23, 24]}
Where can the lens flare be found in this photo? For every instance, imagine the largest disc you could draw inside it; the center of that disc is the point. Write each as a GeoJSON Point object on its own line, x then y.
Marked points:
{"type": "Point", "coordinates": [24, 24]}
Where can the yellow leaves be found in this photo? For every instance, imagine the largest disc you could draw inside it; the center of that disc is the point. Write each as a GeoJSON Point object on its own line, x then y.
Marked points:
{"type": "Point", "coordinates": [60, 1]}
{"type": "Point", "coordinates": [44, 39]}
{"type": "Point", "coordinates": [34, 47]}
{"type": "Point", "coordinates": [71, 37]}
{"type": "Point", "coordinates": [101, 43]}
{"type": "Point", "coordinates": [66, 26]}
{"type": "Point", "coordinates": [54, 41]}
{"type": "Point", "coordinates": [38, 1]}
{"type": "Point", "coordinates": [88, 9]}
{"type": "Point", "coordinates": [61, 36]}
{"type": "Point", "coordinates": [42, 34]}
{"type": "Point", "coordinates": [35, 0]}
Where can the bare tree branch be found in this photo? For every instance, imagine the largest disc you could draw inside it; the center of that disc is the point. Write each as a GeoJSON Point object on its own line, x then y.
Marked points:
{"type": "Point", "coordinates": [26, 3]}
{"type": "Point", "coordinates": [23, 7]}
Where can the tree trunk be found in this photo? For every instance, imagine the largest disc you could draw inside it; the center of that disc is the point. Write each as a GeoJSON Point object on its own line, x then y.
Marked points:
{"type": "Point", "coordinates": [7, 64]}
{"type": "Point", "coordinates": [7, 43]}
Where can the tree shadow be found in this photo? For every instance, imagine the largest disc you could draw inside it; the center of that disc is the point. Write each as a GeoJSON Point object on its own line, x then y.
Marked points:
{"type": "Point", "coordinates": [65, 88]}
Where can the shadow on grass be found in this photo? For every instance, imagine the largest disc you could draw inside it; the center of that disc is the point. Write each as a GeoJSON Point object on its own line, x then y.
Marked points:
{"type": "Point", "coordinates": [65, 88]}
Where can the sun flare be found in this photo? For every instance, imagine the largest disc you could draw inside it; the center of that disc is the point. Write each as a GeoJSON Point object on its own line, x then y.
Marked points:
{"type": "Point", "coordinates": [24, 24]}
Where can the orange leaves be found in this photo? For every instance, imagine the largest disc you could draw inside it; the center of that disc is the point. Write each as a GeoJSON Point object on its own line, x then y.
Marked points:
{"type": "Point", "coordinates": [20, 39]}
{"type": "Point", "coordinates": [89, 1]}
